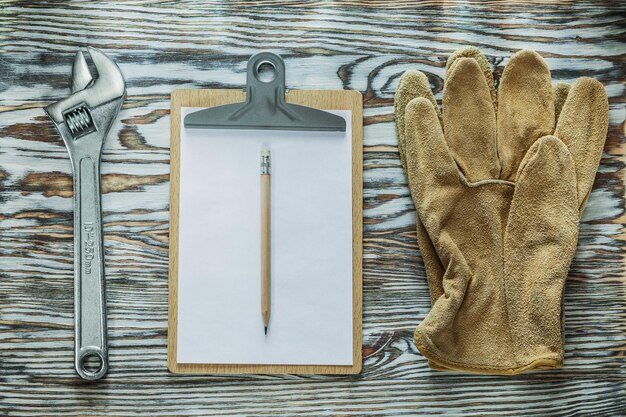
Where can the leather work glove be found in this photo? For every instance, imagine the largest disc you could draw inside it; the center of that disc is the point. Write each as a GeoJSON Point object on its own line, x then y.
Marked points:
{"type": "Point", "coordinates": [499, 182]}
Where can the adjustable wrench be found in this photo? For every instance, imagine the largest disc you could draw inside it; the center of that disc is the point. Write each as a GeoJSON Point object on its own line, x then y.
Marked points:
{"type": "Point", "coordinates": [83, 120]}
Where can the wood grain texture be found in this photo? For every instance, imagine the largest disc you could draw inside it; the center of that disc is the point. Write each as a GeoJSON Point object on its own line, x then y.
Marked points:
{"type": "Point", "coordinates": [319, 99]}
{"type": "Point", "coordinates": [366, 46]}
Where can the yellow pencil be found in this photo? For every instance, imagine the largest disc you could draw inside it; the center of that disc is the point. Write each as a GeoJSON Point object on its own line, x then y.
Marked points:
{"type": "Point", "coordinates": [266, 306]}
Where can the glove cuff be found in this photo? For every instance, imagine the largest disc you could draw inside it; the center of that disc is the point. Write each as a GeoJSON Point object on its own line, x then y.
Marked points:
{"type": "Point", "coordinates": [441, 361]}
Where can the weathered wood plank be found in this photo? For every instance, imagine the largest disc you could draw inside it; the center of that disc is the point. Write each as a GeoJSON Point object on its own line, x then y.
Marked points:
{"type": "Point", "coordinates": [362, 45]}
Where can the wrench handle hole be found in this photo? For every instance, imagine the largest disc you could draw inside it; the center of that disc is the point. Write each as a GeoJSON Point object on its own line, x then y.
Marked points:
{"type": "Point", "coordinates": [91, 363]}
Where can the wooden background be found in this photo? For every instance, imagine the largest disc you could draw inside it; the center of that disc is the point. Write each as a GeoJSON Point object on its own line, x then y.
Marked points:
{"type": "Point", "coordinates": [163, 45]}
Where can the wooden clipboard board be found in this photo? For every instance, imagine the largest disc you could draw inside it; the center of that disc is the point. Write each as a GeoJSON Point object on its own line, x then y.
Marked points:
{"type": "Point", "coordinates": [320, 99]}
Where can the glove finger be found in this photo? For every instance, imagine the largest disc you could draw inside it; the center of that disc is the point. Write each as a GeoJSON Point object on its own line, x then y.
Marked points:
{"type": "Point", "coordinates": [412, 84]}
{"type": "Point", "coordinates": [560, 91]}
{"type": "Point", "coordinates": [525, 109]}
{"type": "Point", "coordinates": [473, 52]}
{"type": "Point", "coordinates": [430, 167]}
{"type": "Point", "coordinates": [540, 241]}
{"type": "Point", "coordinates": [469, 121]}
{"type": "Point", "coordinates": [582, 126]}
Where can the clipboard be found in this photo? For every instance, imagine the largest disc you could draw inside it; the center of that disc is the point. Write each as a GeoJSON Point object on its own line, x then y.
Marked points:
{"type": "Point", "coordinates": [238, 109]}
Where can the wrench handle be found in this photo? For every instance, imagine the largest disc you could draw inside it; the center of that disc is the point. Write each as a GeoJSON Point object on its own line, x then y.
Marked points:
{"type": "Point", "coordinates": [89, 296]}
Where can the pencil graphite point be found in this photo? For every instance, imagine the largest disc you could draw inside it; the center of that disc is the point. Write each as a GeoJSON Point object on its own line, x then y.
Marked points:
{"type": "Point", "coordinates": [266, 330]}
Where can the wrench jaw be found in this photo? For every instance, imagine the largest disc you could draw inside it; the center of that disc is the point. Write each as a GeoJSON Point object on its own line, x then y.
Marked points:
{"type": "Point", "coordinates": [84, 118]}
{"type": "Point", "coordinates": [81, 76]}
{"type": "Point", "coordinates": [109, 86]}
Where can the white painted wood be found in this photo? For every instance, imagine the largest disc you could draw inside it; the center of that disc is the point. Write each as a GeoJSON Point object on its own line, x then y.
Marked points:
{"type": "Point", "coordinates": [365, 46]}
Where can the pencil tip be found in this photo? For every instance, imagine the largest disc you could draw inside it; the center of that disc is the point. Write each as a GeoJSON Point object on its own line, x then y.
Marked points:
{"type": "Point", "coordinates": [266, 330]}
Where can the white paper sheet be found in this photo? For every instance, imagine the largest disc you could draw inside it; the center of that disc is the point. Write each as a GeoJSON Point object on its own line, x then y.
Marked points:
{"type": "Point", "coordinates": [219, 283]}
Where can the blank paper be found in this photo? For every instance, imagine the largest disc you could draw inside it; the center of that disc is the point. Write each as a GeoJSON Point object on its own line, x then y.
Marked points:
{"type": "Point", "coordinates": [219, 273]}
